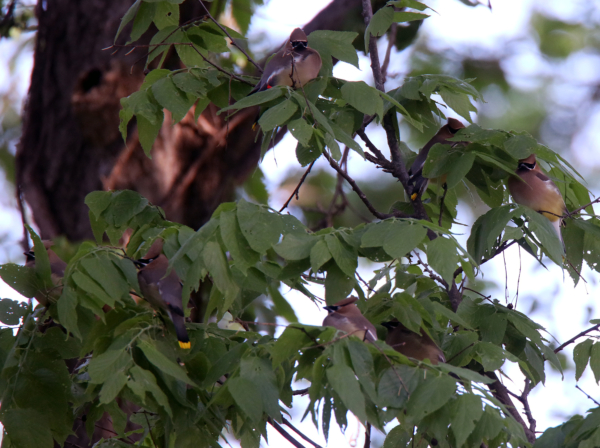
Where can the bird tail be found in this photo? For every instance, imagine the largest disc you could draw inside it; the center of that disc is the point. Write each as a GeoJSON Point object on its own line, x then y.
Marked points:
{"type": "Point", "coordinates": [180, 331]}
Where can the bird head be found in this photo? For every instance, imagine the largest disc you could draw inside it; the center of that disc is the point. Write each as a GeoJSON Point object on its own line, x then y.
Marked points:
{"type": "Point", "coordinates": [528, 163]}
{"type": "Point", "coordinates": [298, 39]}
{"type": "Point", "coordinates": [454, 125]}
{"type": "Point", "coordinates": [342, 305]}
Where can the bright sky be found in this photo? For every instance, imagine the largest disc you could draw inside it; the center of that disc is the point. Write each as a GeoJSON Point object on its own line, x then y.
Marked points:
{"type": "Point", "coordinates": [562, 309]}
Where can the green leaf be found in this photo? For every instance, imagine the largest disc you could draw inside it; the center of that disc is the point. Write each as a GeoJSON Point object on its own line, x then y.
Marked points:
{"type": "Point", "coordinates": [376, 233]}
{"type": "Point", "coordinates": [486, 229]}
{"type": "Point", "coordinates": [344, 383]}
{"type": "Point", "coordinates": [308, 154]}
{"type": "Point", "coordinates": [106, 364]}
{"type": "Point", "coordinates": [67, 313]}
{"type": "Point", "coordinates": [459, 102]}
{"type": "Point", "coordinates": [442, 257]}
{"type": "Point", "coordinates": [143, 19]}
{"type": "Point", "coordinates": [188, 83]}
{"type": "Point", "coordinates": [338, 285]}
{"type": "Point", "coordinates": [163, 363]}
{"type": "Point", "coordinates": [261, 228]}
{"type": "Point", "coordinates": [22, 279]}
{"type": "Point", "coordinates": [282, 306]}
{"type": "Point", "coordinates": [319, 255]}
{"type": "Point", "coordinates": [172, 99]}
{"type": "Point", "coordinates": [430, 396]}
{"type": "Point", "coordinates": [260, 373]}
{"type": "Point", "coordinates": [403, 17]}
{"type": "Point", "coordinates": [334, 43]}
{"type": "Point", "coordinates": [128, 17]}
{"type": "Point", "coordinates": [112, 386]}
{"type": "Point", "coordinates": [295, 246]}
{"type": "Point", "coordinates": [18, 425]}
{"type": "Point", "coordinates": [277, 115]}
{"type": "Point", "coordinates": [301, 130]}
{"type": "Point", "coordinates": [466, 411]}
{"type": "Point", "coordinates": [546, 234]}
{"type": "Point", "coordinates": [247, 397]}
{"type": "Point", "coordinates": [595, 360]}
{"type": "Point", "coordinates": [363, 98]}
{"type": "Point", "coordinates": [402, 237]}
{"type": "Point", "coordinates": [438, 307]}
{"type": "Point", "coordinates": [343, 255]}
{"type": "Point", "coordinates": [147, 132]}
{"type": "Point", "coordinates": [11, 311]}
{"type": "Point", "coordinates": [144, 381]}
{"type": "Point", "coordinates": [167, 14]}
{"type": "Point", "coordinates": [216, 263]}
{"type": "Point", "coordinates": [379, 24]}
{"type": "Point", "coordinates": [256, 99]}
{"type": "Point", "coordinates": [239, 249]}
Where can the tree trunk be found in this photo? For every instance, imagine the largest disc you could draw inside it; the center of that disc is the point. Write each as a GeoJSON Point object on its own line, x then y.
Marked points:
{"type": "Point", "coordinates": [71, 144]}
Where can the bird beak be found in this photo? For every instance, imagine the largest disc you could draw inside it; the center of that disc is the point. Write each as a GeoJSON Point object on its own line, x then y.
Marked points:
{"type": "Point", "coordinates": [330, 308]}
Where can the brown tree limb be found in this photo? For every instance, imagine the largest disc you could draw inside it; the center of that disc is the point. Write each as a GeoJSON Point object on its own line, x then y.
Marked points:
{"type": "Point", "coordinates": [574, 338]}
{"type": "Point", "coordinates": [367, 436]}
{"type": "Point", "coordinates": [500, 392]}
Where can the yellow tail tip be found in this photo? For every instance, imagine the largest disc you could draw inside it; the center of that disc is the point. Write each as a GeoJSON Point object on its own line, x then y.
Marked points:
{"type": "Point", "coordinates": [254, 126]}
{"type": "Point", "coordinates": [413, 196]}
{"type": "Point", "coordinates": [185, 345]}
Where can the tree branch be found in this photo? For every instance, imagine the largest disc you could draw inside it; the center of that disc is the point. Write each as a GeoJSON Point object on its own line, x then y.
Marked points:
{"type": "Point", "coordinates": [360, 193]}
{"type": "Point", "coordinates": [500, 249]}
{"type": "Point", "coordinates": [297, 189]}
{"type": "Point", "coordinates": [286, 422]}
{"type": "Point", "coordinates": [230, 38]}
{"type": "Point", "coordinates": [574, 338]}
{"type": "Point", "coordinates": [285, 435]}
{"type": "Point", "coordinates": [500, 392]}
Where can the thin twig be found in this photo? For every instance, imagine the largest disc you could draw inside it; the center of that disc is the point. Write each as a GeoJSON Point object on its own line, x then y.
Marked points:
{"type": "Point", "coordinates": [191, 45]}
{"type": "Point", "coordinates": [20, 202]}
{"type": "Point", "coordinates": [587, 395]}
{"type": "Point", "coordinates": [285, 435]}
{"type": "Point", "coordinates": [297, 189]}
{"type": "Point", "coordinates": [445, 188]}
{"type": "Point", "coordinates": [367, 436]}
{"type": "Point", "coordinates": [230, 38]}
{"type": "Point", "coordinates": [150, 431]}
{"type": "Point", "coordinates": [500, 249]}
{"type": "Point", "coordinates": [359, 192]}
{"type": "Point", "coordinates": [574, 212]}
{"type": "Point", "coordinates": [388, 52]}
{"type": "Point", "coordinates": [427, 269]}
{"type": "Point", "coordinates": [300, 391]}
{"type": "Point", "coordinates": [287, 423]}
{"type": "Point", "coordinates": [574, 338]}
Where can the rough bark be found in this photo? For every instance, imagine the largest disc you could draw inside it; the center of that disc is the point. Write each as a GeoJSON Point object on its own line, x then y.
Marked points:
{"type": "Point", "coordinates": [71, 145]}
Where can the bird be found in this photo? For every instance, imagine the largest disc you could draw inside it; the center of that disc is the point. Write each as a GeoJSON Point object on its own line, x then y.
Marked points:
{"type": "Point", "coordinates": [57, 271]}
{"type": "Point", "coordinates": [345, 315]}
{"type": "Point", "coordinates": [418, 183]}
{"type": "Point", "coordinates": [294, 65]}
{"type": "Point", "coordinates": [162, 290]}
{"type": "Point", "coordinates": [411, 344]}
{"type": "Point", "coordinates": [532, 188]}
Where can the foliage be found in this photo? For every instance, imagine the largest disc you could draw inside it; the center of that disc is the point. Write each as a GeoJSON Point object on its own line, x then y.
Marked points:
{"type": "Point", "coordinates": [95, 342]}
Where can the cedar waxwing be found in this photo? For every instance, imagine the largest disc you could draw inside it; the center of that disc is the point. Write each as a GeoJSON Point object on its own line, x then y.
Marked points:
{"type": "Point", "coordinates": [412, 344]}
{"type": "Point", "coordinates": [57, 270]}
{"type": "Point", "coordinates": [281, 71]}
{"type": "Point", "coordinates": [163, 292]}
{"type": "Point", "coordinates": [418, 183]}
{"type": "Point", "coordinates": [346, 316]}
{"type": "Point", "coordinates": [537, 191]}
